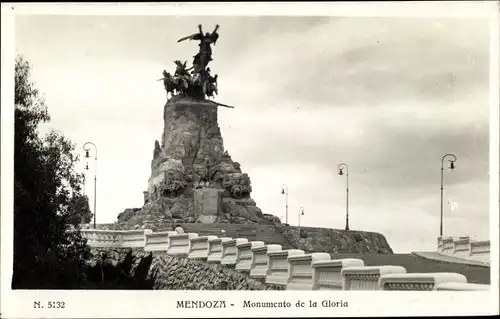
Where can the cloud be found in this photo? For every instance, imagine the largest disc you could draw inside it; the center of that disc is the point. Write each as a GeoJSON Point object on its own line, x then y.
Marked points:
{"type": "Point", "coordinates": [374, 61]}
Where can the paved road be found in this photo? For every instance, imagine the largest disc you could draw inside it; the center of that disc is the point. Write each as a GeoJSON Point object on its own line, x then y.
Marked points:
{"type": "Point", "coordinates": [434, 255]}
{"type": "Point", "coordinates": [413, 263]}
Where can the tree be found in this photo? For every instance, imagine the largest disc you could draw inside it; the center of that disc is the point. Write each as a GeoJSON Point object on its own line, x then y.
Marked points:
{"type": "Point", "coordinates": [47, 195]}
{"type": "Point", "coordinates": [79, 210]}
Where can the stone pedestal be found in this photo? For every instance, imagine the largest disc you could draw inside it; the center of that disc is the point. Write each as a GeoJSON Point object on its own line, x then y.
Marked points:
{"type": "Point", "coordinates": [191, 171]}
{"type": "Point", "coordinates": [207, 204]}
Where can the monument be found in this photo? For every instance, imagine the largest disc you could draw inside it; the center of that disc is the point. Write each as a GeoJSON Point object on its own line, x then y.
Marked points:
{"type": "Point", "coordinates": [199, 83]}
{"type": "Point", "coordinates": [193, 178]}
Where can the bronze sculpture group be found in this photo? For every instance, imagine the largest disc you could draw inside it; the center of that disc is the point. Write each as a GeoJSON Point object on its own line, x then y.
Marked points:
{"type": "Point", "coordinates": [195, 82]}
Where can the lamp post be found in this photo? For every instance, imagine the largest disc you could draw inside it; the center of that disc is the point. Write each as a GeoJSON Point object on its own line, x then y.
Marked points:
{"type": "Point", "coordinates": [452, 166]}
{"type": "Point", "coordinates": [95, 175]}
{"type": "Point", "coordinates": [284, 191]}
{"type": "Point", "coordinates": [84, 182]}
{"type": "Point", "coordinates": [341, 168]}
{"type": "Point", "coordinates": [301, 213]}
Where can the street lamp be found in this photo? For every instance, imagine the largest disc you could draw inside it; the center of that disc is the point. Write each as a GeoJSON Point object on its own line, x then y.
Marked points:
{"type": "Point", "coordinates": [452, 166]}
{"type": "Point", "coordinates": [95, 175]}
{"type": "Point", "coordinates": [301, 213]}
{"type": "Point", "coordinates": [341, 168]}
{"type": "Point", "coordinates": [284, 191]}
{"type": "Point", "coordinates": [84, 182]}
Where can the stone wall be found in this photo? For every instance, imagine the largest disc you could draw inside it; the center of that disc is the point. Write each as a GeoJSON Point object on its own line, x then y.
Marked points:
{"type": "Point", "coordinates": [181, 273]}
{"type": "Point", "coordinates": [172, 273]}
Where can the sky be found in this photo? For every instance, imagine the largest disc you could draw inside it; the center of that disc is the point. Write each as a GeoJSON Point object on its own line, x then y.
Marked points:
{"type": "Point", "coordinates": [388, 96]}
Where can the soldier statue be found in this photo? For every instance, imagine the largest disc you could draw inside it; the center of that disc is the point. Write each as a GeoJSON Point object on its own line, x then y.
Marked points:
{"type": "Point", "coordinates": [211, 84]}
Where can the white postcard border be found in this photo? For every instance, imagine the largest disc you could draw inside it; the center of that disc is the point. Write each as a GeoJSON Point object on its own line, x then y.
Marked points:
{"type": "Point", "coordinates": [141, 304]}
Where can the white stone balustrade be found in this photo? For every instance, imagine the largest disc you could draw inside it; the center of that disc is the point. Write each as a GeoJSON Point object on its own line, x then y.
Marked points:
{"type": "Point", "coordinates": [134, 238]}
{"type": "Point", "coordinates": [461, 247]}
{"type": "Point", "coordinates": [199, 247]}
{"type": "Point", "coordinates": [260, 262]}
{"type": "Point", "coordinates": [229, 252]}
{"type": "Point", "coordinates": [455, 286]}
{"type": "Point", "coordinates": [158, 241]}
{"type": "Point", "coordinates": [447, 246]}
{"type": "Point", "coordinates": [479, 250]}
{"type": "Point", "coordinates": [300, 274]}
{"type": "Point", "coordinates": [418, 281]}
{"type": "Point", "coordinates": [100, 238]}
{"type": "Point", "coordinates": [327, 274]}
{"type": "Point", "coordinates": [244, 255]}
{"type": "Point", "coordinates": [465, 248]}
{"type": "Point", "coordinates": [440, 244]}
{"type": "Point", "coordinates": [367, 277]}
{"type": "Point", "coordinates": [215, 249]}
{"type": "Point", "coordinates": [278, 266]}
{"type": "Point", "coordinates": [179, 244]}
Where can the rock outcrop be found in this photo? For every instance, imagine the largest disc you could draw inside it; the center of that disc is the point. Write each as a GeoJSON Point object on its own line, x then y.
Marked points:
{"type": "Point", "coordinates": [193, 178]}
{"type": "Point", "coordinates": [333, 241]}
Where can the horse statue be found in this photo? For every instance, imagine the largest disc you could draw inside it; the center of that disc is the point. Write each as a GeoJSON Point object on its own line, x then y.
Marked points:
{"type": "Point", "coordinates": [170, 83]}
{"type": "Point", "coordinates": [181, 68]}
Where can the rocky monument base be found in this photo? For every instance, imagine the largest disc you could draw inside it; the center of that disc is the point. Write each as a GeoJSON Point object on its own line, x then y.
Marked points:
{"type": "Point", "coordinates": [193, 179]}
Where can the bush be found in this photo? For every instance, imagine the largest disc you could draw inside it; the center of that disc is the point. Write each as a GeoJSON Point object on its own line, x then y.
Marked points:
{"type": "Point", "coordinates": [105, 275]}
